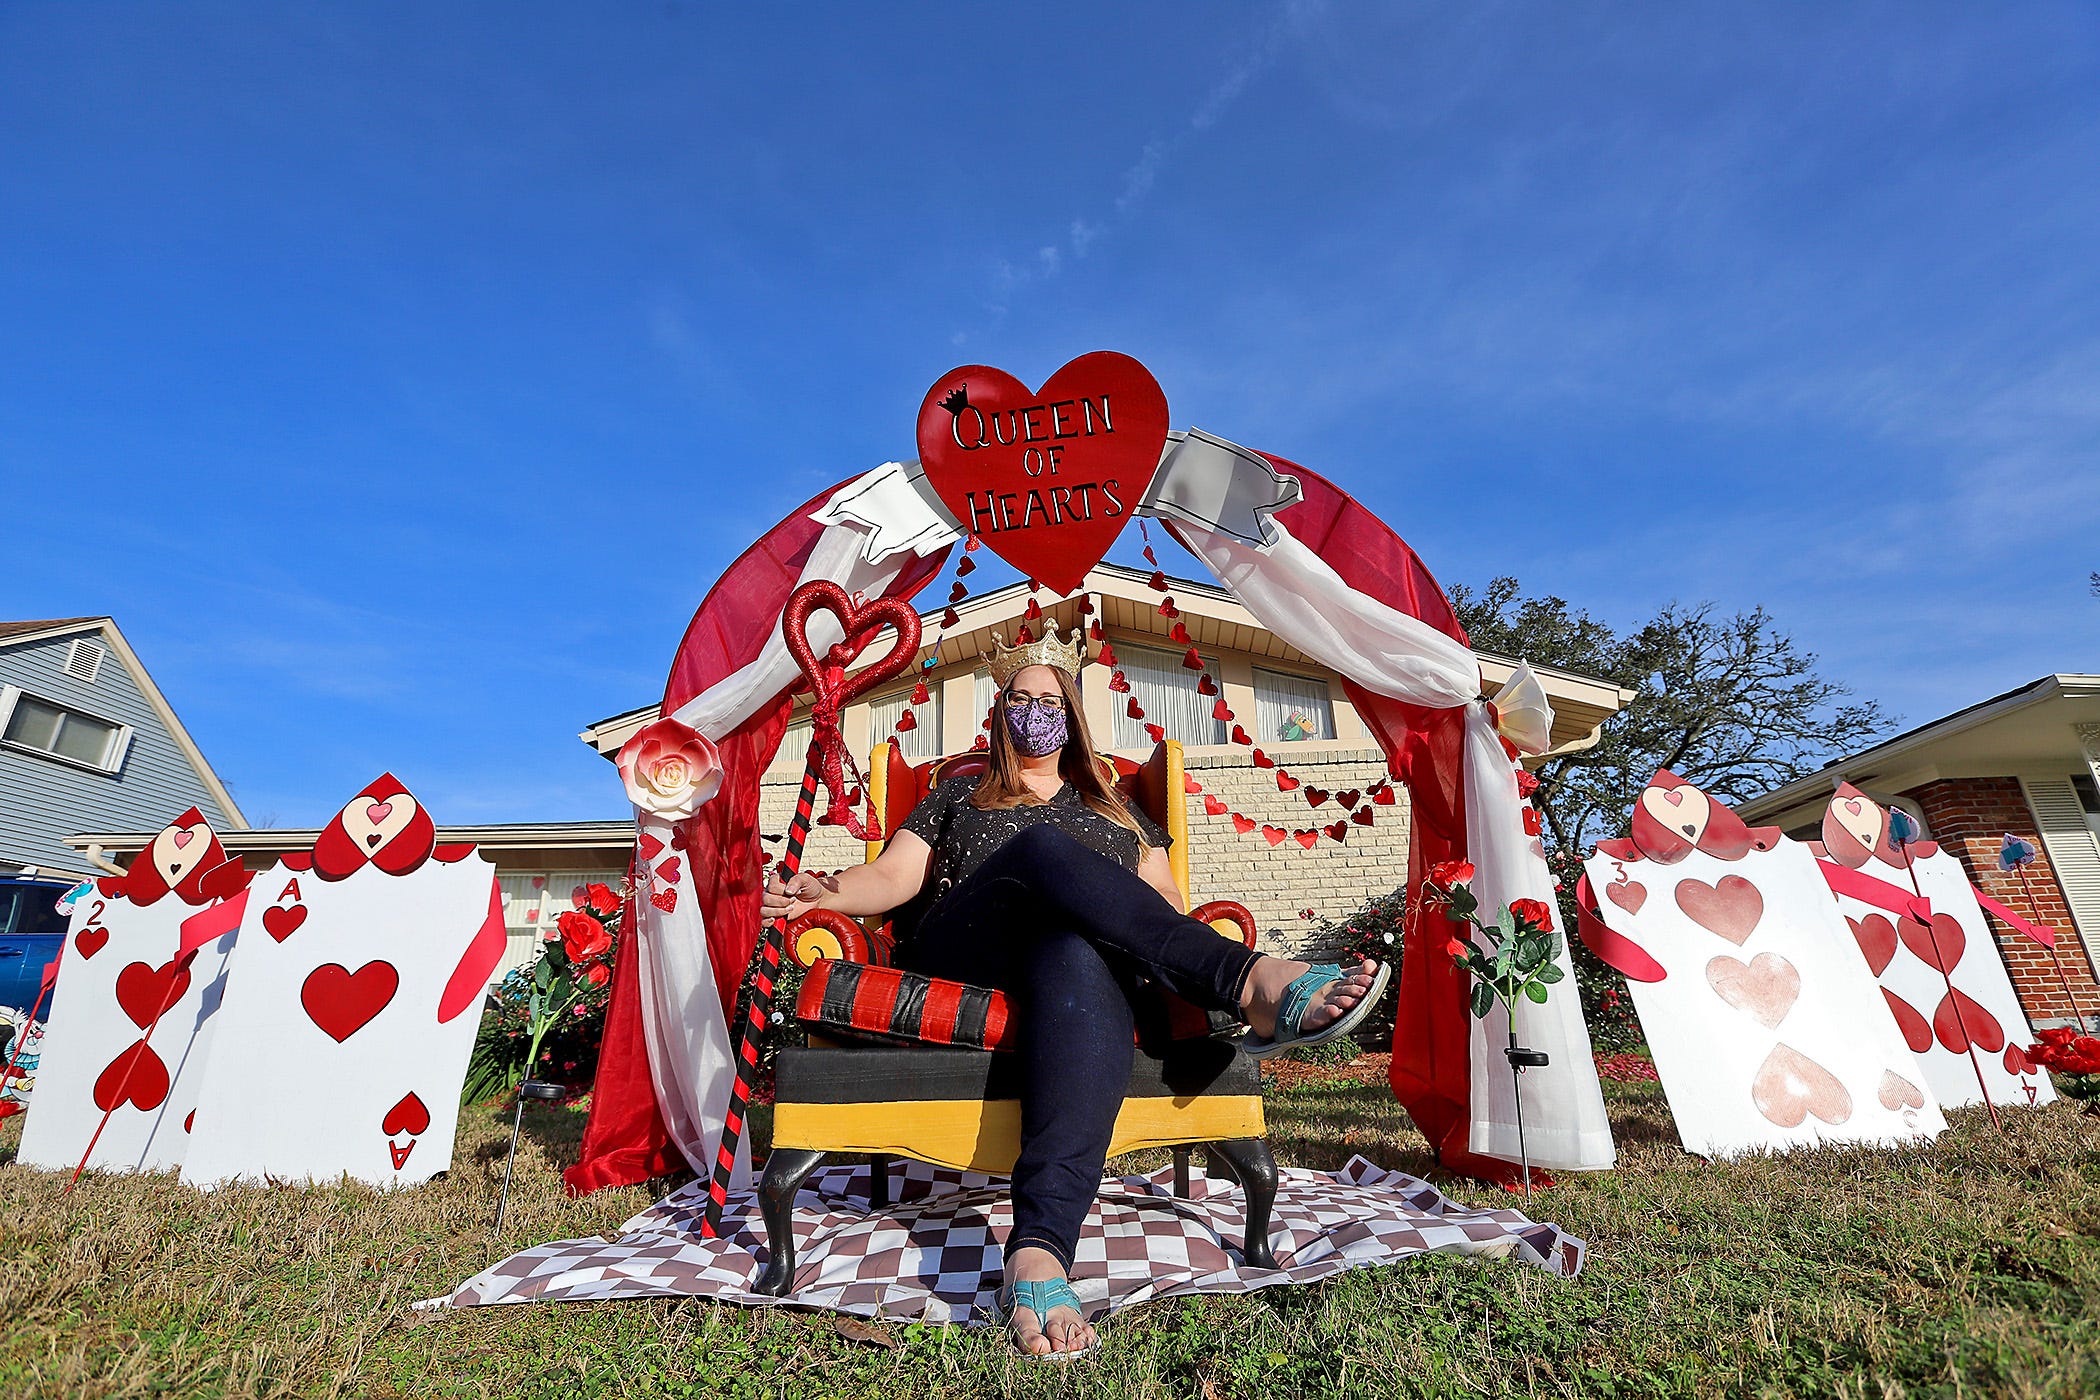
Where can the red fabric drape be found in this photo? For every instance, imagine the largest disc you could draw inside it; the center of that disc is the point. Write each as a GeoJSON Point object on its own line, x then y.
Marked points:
{"type": "Point", "coordinates": [625, 1141]}
{"type": "Point", "coordinates": [1431, 1071]}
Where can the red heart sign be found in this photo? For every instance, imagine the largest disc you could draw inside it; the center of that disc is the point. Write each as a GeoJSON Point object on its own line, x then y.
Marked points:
{"type": "Point", "coordinates": [1939, 944]}
{"type": "Point", "coordinates": [342, 1002]}
{"type": "Point", "coordinates": [138, 1076]}
{"type": "Point", "coordinates": [280, 921]}
{"type": "Point", "coordinates": [90, 940]}
{"type": "Point", "coordinates": [1049, 477]}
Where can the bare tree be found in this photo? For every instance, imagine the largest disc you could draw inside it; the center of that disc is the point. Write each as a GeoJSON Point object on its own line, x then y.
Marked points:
{"type": "Point", "coordinates": [1730, 704]}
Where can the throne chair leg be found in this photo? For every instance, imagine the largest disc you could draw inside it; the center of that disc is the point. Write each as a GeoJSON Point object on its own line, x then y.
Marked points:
{"type": "Point", "coordinates": [1249, 1162]}
{"type": "Point", "coordinates": [786, 1169]}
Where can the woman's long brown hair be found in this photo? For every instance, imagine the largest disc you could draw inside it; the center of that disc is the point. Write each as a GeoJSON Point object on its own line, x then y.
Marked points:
{"type": "Point", "coordinates": [1077, 763]}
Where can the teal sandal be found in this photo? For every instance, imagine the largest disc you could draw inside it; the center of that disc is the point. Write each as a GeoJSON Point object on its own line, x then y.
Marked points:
{"type": "Point", "coordinates": [1039, 1296]}
{"type": "Point", "coordinates": [1298, 999]}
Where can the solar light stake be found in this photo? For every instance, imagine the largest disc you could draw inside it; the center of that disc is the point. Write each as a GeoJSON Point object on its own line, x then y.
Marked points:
{"type": "Point", "coordinates": [530, 1089]}
{"type": "Point", "coordinates": [1519, 1058]}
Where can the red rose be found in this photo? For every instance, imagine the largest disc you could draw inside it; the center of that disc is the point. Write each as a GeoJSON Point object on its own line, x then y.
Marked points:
{"type": "Point", "coordinates": [597, 974]}
{"type": "Point", "coordinates": [2057, 1035]}
{"type": "Point", "coordinates": [582, 937]}
{"type": "Point", "coordinates": [602, 898]}
{"type": "Point", "coordinates": [1451, 872]}
{"type": "Point", "coordinates": [1533, 912]}
{"type": "Point", "coordinates": [1458, 948]}
{"type": "Point", "coordinates": [2086, 1045]}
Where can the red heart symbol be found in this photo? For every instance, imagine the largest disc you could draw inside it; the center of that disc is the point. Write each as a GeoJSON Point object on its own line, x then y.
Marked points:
{"type": "Point", "coordinates": [1385, 797]}
{"type": "Point", "coordinates": [1157, 731]}
{"type": "Point", "coordinates": [142, 990]}
{"type": "Point", "coordinates": [1119, 683]}
{"type": "Point", "coordinates": [1046, 479]}
{"type": "Point", "coordinates": [1205, 685]}
{"type": "Point", "coordinates": [1105, 654]}
{"type": "Point", "coordinates": [1730, 908]}
{"type": "Point", "coordinates": [1133, 709]}
{"type": "Point", "coordinates": [859, 622]}
{"type": "Point", "coordinates": [666, 900]}
{"type": "Point", "coordinates": [907, 722]}
{"type": "Point", "coordinates": [1959, 1012]}
{"type": "Point", "coordinates": [1241, 824]}
{"type": "Point", "coordinates": [1274, 834]}
{"type": "Point", "coordinates": [1362, 816]}
{"type": "Point", "coordinates": [281, 920]}
{"type": "Point", "coordinates": [1789, 1086]}
{"type": "Point", "coordinates": [1916, 1034]}
{"type": "Point", "coordinates": [1239, 735]}
{"type": "Point", "coordinates": [1167, 608]}
{"type": "Point", "coordinates": [2016, 1061]}
{"type": "Point", "coordinates": [408, 1116]}
{"type": "Point", "coordinates": [1338, 831]}
{"type": "Point", "coordinates": [189, 1120]}
{"type": "Point", "coordinates": [1317, 795]}
{"type": "Point", "coordinates": [1222, 713]}
{"type": "Point", "coordinates": [1307, 839]}
{"type": "Point", "coordinates": [669, 870]}
{"type": "Point", "coordinates": [1347, 797]}
{"type": "Point", "coordinates": [651, 847]}
{"type": "Point", "coordinates": [1285, 782]}
{"type": "Point", "coordinates": [1189, 784]}
{"type": "Point", "coordinates": [1675, 797]}
{"type": "Point", "coordinates": [1629, 895]}
{"type": "Point", "coordinates": [142, 1081]}
{"type": "Point", "coordinates": [182, 838]}
{"type": "Point", "coordinates": [90, 940]}
{"type": "Point", "coordinates": [1262, 760]}
{"type": "Point", "coordinates": [1939, 945]}
{"type": "Point", "coordinates": [1876, 937]}
{"type": "Point", "coordinates": [1179, 632]}
{"type": "Point", "coordinates": [342, 1002]}
{"type": "Point", "coordinates": [1213, 805]}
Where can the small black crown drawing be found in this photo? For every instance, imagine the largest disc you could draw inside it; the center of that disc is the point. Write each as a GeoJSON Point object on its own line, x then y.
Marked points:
{"type": "Point", "coordinates": [957, 399]}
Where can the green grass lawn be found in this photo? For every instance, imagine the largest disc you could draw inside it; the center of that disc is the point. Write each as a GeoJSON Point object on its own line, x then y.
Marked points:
{"type": "Point", "coordinates": [1970, 1268]}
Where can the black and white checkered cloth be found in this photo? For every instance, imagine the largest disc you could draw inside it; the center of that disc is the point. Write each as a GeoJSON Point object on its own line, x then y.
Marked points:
{"type": "Point", "coordinates": [933, 1254]}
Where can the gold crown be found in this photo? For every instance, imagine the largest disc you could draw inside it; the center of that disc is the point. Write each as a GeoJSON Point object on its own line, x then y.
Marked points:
{"type": "Point", "coordinates": [1048, 650]}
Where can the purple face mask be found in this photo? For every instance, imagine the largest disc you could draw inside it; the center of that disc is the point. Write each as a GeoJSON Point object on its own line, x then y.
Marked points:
{"type": "Point", "coordinates": [1035, 730]}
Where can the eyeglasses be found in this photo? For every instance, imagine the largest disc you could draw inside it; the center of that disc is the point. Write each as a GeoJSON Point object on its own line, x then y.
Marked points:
{"type": "Point", "coordinates": [1049, 704]}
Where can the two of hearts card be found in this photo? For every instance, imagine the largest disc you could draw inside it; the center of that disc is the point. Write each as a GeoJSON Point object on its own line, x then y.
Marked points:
{"type": "Point", "coordinates": [1766, 1025]}
{"type": "Point", "coordinates": [313, 1021]}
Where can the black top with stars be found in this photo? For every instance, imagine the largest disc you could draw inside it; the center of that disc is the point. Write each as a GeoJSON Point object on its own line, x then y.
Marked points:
{"type": "Point", "coordinates": [963, 837]}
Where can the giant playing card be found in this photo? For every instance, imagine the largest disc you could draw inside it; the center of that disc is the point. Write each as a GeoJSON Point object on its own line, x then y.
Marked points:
{"type": "Point", "coordinates": [351, 1009]}
{"type": "Point", "coordinates": [1942, 976]}
{"type": "Point", "coordinates": [122, 966]}
{"type": "Point", "coordinates": [1766, 1029]}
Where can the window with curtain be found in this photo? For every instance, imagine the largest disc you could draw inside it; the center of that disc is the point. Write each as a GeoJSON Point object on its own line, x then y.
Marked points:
{"type": "Point", "coordinates": [981, 698]}
{"type": "Point", "coordinates": [1166, 691]}
{"type": "Point", "coordinates": [885, 710]}
{"type": "Point", "coordinates": [1289, 707]}
{"type": "Point", "coordinates": [794, 744]}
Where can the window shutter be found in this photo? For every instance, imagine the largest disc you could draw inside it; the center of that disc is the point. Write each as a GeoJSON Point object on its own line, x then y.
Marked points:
{"type": "Point", "coordinates": [119, 745]}
{"type": "Point", "coordinates": [2073, 850]}
{"type": "Point", "coordinates": [84, 660]}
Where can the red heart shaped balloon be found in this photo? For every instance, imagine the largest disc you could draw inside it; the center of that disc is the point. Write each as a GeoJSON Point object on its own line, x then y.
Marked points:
{"type": "Point", "coordinates": [1047, 478]}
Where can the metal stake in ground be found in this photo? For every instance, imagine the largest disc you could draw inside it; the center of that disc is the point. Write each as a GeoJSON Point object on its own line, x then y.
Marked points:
{"type": "Point", "coordinates": [1898, 820]}
{"type": "Point", "coordinates": [530, 1089]}
{"type": "Point", "coordinates": [178, 979]}
{"type": "Point", "coordinates": [763, 973]}
{"type": "Point", "coordinates": [2063, 978]}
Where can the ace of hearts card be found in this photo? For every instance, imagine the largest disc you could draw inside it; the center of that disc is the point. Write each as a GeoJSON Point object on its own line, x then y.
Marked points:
{"type": "Point", "coordinates": [123, 975]}
{"type": "Point", "coordinates": [1766, 1029]}
{"type": "Point", "coordinates": [351, 1009]}
{"type": "Point", "coordinates": [1942, 978]}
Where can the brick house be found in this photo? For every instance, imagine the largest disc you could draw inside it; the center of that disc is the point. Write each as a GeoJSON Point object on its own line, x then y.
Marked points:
{"type": "Point", "coordinates": [2026, 763]}
{"type": "Point", "coordinates": [1295, 710]}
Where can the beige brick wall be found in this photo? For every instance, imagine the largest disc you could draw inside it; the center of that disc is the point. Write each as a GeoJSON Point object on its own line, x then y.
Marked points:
{"type": "Point", "coordinates": [1275, 884]}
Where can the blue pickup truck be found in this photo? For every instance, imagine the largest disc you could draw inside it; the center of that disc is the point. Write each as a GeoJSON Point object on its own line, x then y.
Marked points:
{"type": "Point", "coordinates": [31, 933]}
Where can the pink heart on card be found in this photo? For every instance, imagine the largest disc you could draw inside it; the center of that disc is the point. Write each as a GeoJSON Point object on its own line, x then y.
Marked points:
{"type": "Point", "coordinates": [376, 812]}
{"type": "Point", "coordinates": [1675, 797]}
{"type": "Point", "coordinates": [181, 838]}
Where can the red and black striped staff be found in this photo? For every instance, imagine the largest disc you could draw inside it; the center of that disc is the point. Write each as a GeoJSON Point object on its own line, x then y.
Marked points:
{"type": "Point", "coordinates": [831, 689]}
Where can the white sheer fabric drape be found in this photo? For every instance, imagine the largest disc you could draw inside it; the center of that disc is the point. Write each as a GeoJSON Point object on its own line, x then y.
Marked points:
{"type": "Point", "coordinates": [1295, 594]}
{"type": "Point", "coordinates": [688, 1037]}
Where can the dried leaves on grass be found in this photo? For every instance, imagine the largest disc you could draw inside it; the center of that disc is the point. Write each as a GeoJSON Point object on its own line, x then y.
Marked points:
{"type": "Point", "coordinates": [1968, 1267]}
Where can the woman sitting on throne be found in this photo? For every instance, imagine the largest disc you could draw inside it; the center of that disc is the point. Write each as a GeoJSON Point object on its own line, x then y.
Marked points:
{"type": "Point", "coordinates": [1037, 879]}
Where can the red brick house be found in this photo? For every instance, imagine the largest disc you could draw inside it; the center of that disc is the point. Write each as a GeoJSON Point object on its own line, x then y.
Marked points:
{"type": "Point", "coordinates": [2027, 763]}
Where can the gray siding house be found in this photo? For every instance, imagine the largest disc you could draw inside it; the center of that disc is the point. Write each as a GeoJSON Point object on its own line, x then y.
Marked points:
{"type": "Point", "coordinates": [88, 743]}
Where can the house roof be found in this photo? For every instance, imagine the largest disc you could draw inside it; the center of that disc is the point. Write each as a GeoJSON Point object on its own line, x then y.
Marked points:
{"type": "Point", "coordinates": [2006, 733]}
{"type": "Point", "coordinates": [20, 632]}
{"type": "Point", "coordinates": [1126, 601]}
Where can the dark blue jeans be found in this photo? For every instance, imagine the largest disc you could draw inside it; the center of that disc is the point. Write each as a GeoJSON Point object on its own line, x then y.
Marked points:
{"type": "Point", "coordinates": [1065, 932]}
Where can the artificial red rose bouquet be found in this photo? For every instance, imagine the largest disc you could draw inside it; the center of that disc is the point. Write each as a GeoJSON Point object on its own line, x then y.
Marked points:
{"type": "Point", "coordinates": [546, 1019]}
{"type": "Point", "coordinates": [1514, 956]}
{"type": "Point", "coordinates": [2074, 1058]}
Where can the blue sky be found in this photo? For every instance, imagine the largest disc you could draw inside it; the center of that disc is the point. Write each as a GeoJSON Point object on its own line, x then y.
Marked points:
{"type": "Point", "coordinates": [400, 376]}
